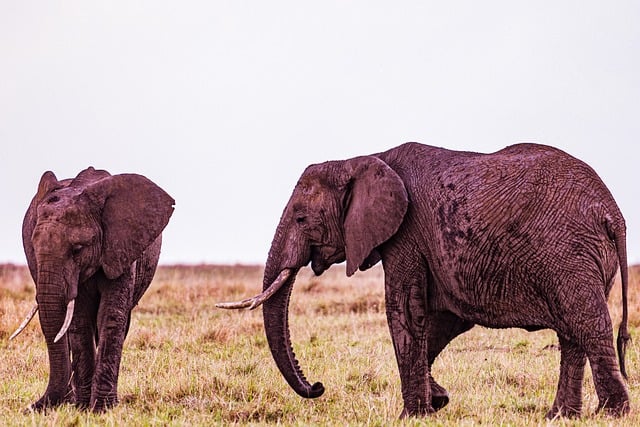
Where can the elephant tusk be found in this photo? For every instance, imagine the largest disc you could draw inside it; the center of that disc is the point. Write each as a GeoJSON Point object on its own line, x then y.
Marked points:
{"type": "Point", "coordinates": [67, 320]}
{"type": "Point", "coordinates": [254, 302]}
{"type": "Point", "coordinates": [25, 322]}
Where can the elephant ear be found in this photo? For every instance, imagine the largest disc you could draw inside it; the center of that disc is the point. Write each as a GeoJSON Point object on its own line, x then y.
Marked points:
{"type": "Point", "coordinates": [134, 213]}
{"type": "Point", "coordinates": [375, 208]}
{"type": "Point", "coordinates": [48, 182]}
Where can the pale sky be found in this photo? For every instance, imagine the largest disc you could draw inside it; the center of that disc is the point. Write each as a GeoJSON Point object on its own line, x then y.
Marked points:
{"type": "Point", "coordinates": [224, 103]}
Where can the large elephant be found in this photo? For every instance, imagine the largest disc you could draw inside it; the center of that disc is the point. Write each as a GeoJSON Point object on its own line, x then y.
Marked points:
{"type": "Point", "coordinates": [526, 237]}
{"type": "Point", "coordinates": [92, 245]}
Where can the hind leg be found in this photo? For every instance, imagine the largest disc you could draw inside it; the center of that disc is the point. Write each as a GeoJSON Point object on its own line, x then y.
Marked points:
{"type": "Point", "coordinates": [587, 330]}
{"type": "Point", "coordinates": [443, 327]}
{"type": "Point", "coordinates": [612, 392]}
{"type": "Point", "coordinates": [568, 401]}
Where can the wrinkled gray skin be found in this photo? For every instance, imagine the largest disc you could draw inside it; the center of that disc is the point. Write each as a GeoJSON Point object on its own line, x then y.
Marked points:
{"type": "Point", "coordinates": [96, 239]}
{"type": "Point", "coordinates": [527, 237]}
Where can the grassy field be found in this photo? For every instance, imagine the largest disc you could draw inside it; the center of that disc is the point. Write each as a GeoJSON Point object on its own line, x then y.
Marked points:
{"type": "Point", "coordinates": [187, 363]}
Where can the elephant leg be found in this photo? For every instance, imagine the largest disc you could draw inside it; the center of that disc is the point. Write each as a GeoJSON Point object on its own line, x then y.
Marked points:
{"type": "Point", "coordinates": [407, 317]}
{"type": "Point", "coordinates": [443, 327]}
{"type": "Point", "coordinates": [113, 319]}
{"type": "Point", "coordinates": [612, 392]}
{"type": "Point", "coordinates": [83, 346]}
{"type": "Point", "coordinates": [568, 401]}
{"type": "Point", "coordinates": [590, 328]}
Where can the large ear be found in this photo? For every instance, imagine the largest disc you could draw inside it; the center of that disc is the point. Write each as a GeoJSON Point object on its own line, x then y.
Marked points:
{"type": "Point", "coordinates": [134, 213]}
{"type": "Point", "coordinates": [375, 208]}
{"type": "Point", "coordinates": [48, 182]}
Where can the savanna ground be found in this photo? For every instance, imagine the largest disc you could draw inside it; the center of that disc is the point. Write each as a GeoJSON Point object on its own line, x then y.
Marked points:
{"type": "Point", "coordinates": [187, 363]}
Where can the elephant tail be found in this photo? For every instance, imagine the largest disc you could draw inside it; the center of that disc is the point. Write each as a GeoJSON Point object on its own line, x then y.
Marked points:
{"type": "Point", "coordinates": [623, 332]}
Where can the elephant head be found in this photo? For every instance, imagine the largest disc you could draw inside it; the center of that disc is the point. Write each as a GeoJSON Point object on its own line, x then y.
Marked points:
{"type": "Point", "coordinates": [339, 210]}
{"type": "Point", "coordinates": [72, 229]}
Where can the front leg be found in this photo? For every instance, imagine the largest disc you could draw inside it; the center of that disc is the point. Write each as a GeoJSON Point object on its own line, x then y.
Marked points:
{"type": "Point", "coordinates": [443, 327]}
{"type": "Point", "coordinates": [113, 320]}
{"type": "Point", "coordinates": [405, 287]}
{"type": "Point", "coordinates": [83, 346]}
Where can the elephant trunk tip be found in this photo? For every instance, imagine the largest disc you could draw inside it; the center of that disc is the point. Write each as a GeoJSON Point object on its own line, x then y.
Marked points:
{"type": "Point", "coordinates": [316, 390]}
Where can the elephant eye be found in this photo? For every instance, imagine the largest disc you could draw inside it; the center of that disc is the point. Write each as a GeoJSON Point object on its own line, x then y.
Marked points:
{"type": "Point", "coordinates": [301, 219]}
{"type": "Point", "coordinates": [76, 249]}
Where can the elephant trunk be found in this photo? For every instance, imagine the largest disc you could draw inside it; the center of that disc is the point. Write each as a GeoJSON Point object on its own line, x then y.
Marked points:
{"type": "Point", "coordinates": [52, 307]}
{"type": "Point", "coordinates": [276, 323]}
{"type": "Point", "coordinates": [275, 302]}
{"type": "Point", "coordinates": [281, 269]}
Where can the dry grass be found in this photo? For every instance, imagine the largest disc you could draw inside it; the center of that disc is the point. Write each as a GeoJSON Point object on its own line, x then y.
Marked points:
{"type": "Point", "coordinates": [188, 363]}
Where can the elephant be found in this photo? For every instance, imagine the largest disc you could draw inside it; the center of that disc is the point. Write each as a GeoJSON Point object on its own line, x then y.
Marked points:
{"type": "Point", "coordinates": [527, 237]}
{"type": "Point", "coordinates": [92, 245]}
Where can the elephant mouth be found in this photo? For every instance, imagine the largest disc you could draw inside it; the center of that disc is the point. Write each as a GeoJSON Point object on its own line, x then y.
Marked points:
{"type": "Point", "coordinates": [323, 257]}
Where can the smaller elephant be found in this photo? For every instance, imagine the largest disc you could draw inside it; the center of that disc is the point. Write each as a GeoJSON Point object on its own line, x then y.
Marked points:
{"type": "Point", "coordinates": [92, 245]}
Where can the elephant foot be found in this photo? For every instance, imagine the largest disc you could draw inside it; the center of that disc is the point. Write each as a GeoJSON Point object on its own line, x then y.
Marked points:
{"type": "Point", "coordinates": [41, 405]}
{"type": "Point", "coordinates": [615, 406]}
{"type": "Point", "coordinates": [83, 397]}
{"type": "Point", "coordinates": [49, 401]}
{"type": "Point", "coordinates": [562, 412]}
{"type": "Point", "coordinates": [102, 404]}
{"type": "Point", "coordinates": [82, 405]}
{"type": "Point", "coordinates": [420, 411]}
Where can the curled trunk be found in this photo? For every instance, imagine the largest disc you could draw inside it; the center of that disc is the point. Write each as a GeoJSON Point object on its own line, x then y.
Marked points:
{"type": "Point", "coordinates": [276, 322]}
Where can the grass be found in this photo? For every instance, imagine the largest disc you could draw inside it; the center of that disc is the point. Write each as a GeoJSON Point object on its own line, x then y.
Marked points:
{"type": "Point", "coordinates": [187, 363]}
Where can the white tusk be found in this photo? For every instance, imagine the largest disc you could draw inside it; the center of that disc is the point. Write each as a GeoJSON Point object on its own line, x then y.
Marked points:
{"type": "Point", "coordinates": [25, 322]}
{"type": "Point", "coordinates": [67, 320]}
{"type": "Point", "coordinates": [259, 299]}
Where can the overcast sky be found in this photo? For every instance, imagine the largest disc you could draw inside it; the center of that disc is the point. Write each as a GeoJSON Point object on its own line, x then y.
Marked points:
{"type": "Point", "coordinates": [224, 103]}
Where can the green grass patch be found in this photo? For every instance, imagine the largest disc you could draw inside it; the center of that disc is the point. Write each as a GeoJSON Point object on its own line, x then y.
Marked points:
{"type": "Point", "coordinates": [187, 363]}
